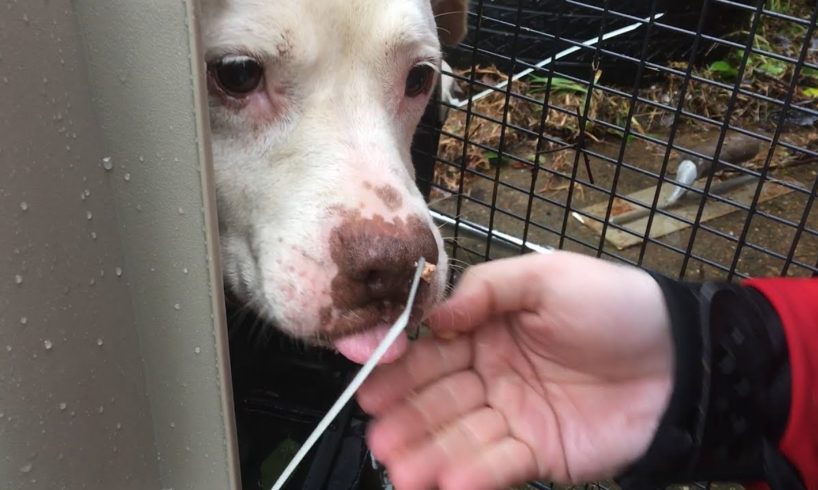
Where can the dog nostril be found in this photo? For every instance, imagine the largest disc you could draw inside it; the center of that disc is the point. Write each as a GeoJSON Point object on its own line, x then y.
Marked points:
{"type": "Point", "coordinates": [376, 259]}
{"type": "Point", "coordinates": [375, 284]}
{"type": "Point", "coordinates": [384, 284]}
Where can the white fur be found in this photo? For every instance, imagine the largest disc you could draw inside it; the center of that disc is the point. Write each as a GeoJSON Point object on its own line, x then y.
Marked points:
{"type": "Point", "coordinates": [333, 117]}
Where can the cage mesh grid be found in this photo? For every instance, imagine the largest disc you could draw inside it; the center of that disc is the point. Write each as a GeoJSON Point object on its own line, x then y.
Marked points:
{"type": "Point", "coordinates": [526, 161]}
{"type": "Point", "coordinates": [520, 164]}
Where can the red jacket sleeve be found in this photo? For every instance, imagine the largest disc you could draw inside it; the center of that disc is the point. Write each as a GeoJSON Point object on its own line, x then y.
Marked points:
{"type": "Point", "coordinates": [796, 301]}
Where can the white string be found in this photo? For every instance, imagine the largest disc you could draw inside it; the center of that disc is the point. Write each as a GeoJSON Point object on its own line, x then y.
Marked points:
{"type": "Point", "coordinates": [357, 381]}
{"type": "Point", "coordinates": [561, 54]}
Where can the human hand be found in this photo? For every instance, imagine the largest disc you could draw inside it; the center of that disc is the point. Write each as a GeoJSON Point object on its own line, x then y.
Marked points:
{"type": "Point", "coordinates": [561, 371]}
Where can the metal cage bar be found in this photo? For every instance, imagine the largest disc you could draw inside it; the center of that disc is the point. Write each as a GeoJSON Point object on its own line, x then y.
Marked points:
{"type": "Point", "coordinates": [519, 169]}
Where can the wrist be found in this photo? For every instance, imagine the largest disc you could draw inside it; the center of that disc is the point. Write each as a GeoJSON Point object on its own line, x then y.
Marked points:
{"type": "Point", "coordinates": [730, 397]}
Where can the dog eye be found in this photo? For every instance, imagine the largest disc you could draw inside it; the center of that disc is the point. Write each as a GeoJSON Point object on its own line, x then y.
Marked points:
{"type": "Point", "coordinates": [419, 80]}
{"type": "Point", "coordinates": [237, 76]}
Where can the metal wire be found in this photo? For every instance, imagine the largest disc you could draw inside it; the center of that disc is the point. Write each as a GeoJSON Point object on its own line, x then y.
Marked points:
{"type": "Point", "coordinates": [500, 209]}
{"type": "Point", "coordinates": [787, 102]}
{"type": "Point", "coordinates": [494, 190]}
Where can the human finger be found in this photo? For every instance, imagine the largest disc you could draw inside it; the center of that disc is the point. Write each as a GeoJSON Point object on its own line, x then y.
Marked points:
{"type": "Point", "coordinates": [504, 463]}
{"type": "Point", "coordinates": [490, 289]}
{"type": "Point", "coordinates": [426, 412]}
{"type": "Point", "coordinates": [427, 360]}
{"type": "Point", "coordinates": [419, 466]}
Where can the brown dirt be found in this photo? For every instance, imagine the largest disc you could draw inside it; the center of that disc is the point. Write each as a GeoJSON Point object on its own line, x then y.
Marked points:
{"type": "Point", "coordinates": [763, 232]}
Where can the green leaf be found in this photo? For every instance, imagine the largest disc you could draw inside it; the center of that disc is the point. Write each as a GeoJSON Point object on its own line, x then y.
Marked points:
{"type": "Point", "coordinates": [809, 72]}
{"type": "Point", "coordinates": [564, 85]}
{"type": "Point", "coordinates": [618, 134]}
{"type": "Point", "coordinates": [724, 69]}
{"type": "Point", "coordinates": [722, 66]}
{"type": "Point", "coordinates": [494, 158]}
{"type": "Point", "coordinates": [558, 85]}
{"type": "Point", "coordinates": [811, 92]}
{"type": "Point", "coordinates": [773, 68]}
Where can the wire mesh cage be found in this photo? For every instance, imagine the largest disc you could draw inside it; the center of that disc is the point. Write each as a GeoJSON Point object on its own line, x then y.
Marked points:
{"type": "Point", "coordinates": [676, 136]}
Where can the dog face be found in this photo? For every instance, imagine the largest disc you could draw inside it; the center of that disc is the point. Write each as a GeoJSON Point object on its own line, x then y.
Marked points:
{"type": "Point", "coordinates": [313, 107]}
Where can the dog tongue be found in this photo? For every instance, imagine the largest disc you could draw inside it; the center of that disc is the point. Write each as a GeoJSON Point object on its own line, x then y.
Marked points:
{"type": "Point", "coordinates": [359, 347]}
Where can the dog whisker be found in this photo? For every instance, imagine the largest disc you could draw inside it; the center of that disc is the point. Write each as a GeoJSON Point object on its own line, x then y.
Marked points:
{"type": "Point", "coordinates": [439, 200]}
{"type": "Point", "coordinates": [459, 262]}
{"type": "Point", "coordinates": [457, 269]}
{"type": "Point", "coordinates": [451, 12]}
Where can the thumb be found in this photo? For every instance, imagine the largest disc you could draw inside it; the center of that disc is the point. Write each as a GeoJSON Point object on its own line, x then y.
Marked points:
{"type": "Point", "coordinates": [489, 289]}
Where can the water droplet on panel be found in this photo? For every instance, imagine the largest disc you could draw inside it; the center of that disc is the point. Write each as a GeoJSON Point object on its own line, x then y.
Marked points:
{"type": "Point", "coordinates": [107, 164]}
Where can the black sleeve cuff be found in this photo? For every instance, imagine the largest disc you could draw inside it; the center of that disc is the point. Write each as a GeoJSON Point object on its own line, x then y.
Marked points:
{"type": "Point", "coordinates": [731, 394]}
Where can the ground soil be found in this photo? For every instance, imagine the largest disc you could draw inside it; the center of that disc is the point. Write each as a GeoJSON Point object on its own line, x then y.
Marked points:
{"type": "Point", "coordinates": [766, 236]}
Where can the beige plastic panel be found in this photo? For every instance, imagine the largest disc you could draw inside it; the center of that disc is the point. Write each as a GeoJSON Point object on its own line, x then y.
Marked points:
{"type": "Point", "coordinates": [112, 348]}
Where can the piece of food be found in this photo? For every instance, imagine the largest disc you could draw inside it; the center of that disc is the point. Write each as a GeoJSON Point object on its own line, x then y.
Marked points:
{"type": "Point", "coordinates": [428, 271]}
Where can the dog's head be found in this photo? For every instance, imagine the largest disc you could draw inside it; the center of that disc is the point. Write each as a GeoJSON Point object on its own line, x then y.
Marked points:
{"type": "Point", "coordinates": [313, 107]}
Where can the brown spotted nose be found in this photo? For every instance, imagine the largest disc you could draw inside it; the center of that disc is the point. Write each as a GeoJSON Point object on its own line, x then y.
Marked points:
{"type": "Point", "coordinates": [376, 258]}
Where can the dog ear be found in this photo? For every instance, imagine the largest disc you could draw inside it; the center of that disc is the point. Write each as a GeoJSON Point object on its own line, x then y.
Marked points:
{"type": "Point", "coordinates": [451, 16]}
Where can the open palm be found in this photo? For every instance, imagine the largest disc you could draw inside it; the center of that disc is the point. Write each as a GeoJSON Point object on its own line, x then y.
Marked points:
{"type": "Point", "coordinates": [561, 371]}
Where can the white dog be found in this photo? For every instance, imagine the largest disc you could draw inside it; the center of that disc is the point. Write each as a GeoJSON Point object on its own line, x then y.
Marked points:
{"type": "Point", "coordinates": [313, 106]}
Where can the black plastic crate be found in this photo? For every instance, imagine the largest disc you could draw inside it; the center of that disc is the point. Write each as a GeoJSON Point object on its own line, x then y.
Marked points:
{"type": "Point", "coordinates": [548, 27]}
